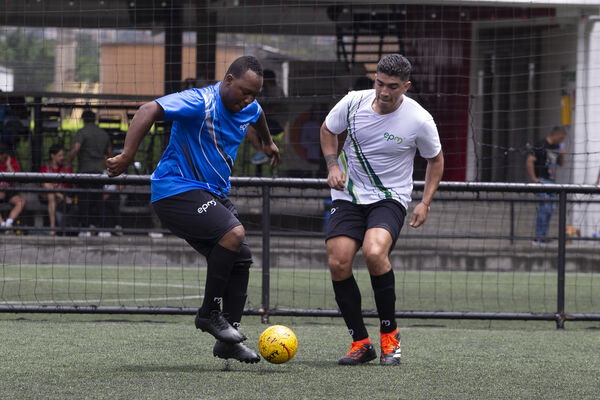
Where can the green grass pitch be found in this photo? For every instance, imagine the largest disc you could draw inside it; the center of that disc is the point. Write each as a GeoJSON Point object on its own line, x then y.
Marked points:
{"type": "Point", "coordinates": [295, 288]}
{"type": "Point", "coordinates": [54, 356]}
{"type": "Point", "coordinates": [95, 357]}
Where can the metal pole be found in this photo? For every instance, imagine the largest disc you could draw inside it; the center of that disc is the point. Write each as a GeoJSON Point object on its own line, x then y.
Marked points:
{"type": "Point", "coordinates": [512, 222]}
{"type": "Point", "coordinates": [266, 256]}
{"type": "Point", "coordinates": [560, 290]}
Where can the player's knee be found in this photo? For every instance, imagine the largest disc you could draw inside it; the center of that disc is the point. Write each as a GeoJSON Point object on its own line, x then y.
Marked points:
{"type": "Point", "coordinates": [244, 261]}
{"type": "Point", "coordinates": [374, 254]}
{"type": "Point", "coordinates": [339, 267]}
{"type": "Point", "coordinates": [234, 238]}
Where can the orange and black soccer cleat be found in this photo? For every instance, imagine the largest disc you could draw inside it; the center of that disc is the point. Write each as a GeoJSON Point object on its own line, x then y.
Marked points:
{"type": "Point", "coordinates": [390, 348]}
{"type": "Point", "coordinates": [362, 351]}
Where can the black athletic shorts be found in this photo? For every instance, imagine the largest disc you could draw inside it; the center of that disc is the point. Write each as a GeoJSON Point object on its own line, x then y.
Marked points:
{"type": "Point", "coordinates": [353, 220]}
{"type": "Point", "coordinates": [201, 218]}
{"type": "Point", "coordinates": [8, 194]}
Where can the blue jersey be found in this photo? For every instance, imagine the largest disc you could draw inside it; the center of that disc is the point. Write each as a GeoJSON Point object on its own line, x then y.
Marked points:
{"type": "Point", "coordinates": [204, 140]}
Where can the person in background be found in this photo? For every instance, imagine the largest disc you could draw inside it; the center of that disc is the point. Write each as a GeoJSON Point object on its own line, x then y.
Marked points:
{"type": "Point", "coordinates": [9, 164]}
{"type": "Point", "coordinates": [270, 90]}
{"type": "Point", "coordinates": [542, 163]}
{"type": "Point", "coordinates": [92, 146]}
{"type": "Point", "coordinates": [55, 165]}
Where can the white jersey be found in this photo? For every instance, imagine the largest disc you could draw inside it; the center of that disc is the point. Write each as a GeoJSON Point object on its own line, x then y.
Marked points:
{"type": "Point", "coordinates": [378, 155]}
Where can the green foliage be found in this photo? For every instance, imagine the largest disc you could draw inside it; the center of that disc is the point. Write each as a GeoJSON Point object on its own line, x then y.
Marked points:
{"type": "Point", "coordinates": [87, 60]}
{"type": "Point", "coordinates": [30, 58]}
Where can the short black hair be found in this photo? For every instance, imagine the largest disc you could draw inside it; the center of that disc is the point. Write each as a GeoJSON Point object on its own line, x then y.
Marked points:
{"type": "Point", "coordinates": [54, 149]}
{"type": "Point", "coordinates": [395, 65]}
{"type": "Point", "coordinates": [269, 74]}
{"type": "Point", "coordinates": [243, 64]}
{"type": "Point", "coordinates": [558, 129]}
{"type": "Point", "coordinates": [88, 116]}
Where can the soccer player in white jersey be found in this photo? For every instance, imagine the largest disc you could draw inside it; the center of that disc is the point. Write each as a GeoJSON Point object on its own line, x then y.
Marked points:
{"type": "Point", "coordinates": [191, 183]}
{"type": "Point", "coordinates": [371, 185]}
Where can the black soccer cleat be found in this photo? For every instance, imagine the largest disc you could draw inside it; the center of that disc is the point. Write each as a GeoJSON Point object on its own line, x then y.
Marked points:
{"type": "Point", "coordinates": [359, 353]}
{"type": "Point", "coordinates": [237, 351]}
{"type": "Point", "coordinates": [391, 352]}
{"type": "Point", "coordinates": [216, 324]}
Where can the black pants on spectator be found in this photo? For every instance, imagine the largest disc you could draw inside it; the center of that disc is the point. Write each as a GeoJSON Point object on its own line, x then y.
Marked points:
{"type": "Point", "coordinates": [89, 203]}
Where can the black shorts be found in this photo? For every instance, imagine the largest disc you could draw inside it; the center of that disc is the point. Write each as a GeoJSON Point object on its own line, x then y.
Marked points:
{"type": "Point", "coordinates": [201, 218]}
{"type": "Point", "coordinates": [8, 194]}
{"type": "Point", "coordinates": [353, 220]}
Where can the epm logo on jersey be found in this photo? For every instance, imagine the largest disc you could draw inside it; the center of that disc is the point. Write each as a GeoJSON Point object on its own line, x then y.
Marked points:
{"type": "Point", "coordinates": [390, 136]}
{"type": "Point", "coordinates": [244, 126]}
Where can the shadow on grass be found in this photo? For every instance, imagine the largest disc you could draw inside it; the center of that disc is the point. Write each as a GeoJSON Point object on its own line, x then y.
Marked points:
{"type": "Point", "coordinates": [193, 368]}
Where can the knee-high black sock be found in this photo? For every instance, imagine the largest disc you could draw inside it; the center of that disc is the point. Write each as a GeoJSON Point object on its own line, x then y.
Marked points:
{"type": "Point", "coordinates": [235, 295]}
{"type": "Point", "coordinates": [347, 296]}
{"type": "Point", "coordinates": [384, 289]}
{"type": "Point", "coordinates": [220, 262]}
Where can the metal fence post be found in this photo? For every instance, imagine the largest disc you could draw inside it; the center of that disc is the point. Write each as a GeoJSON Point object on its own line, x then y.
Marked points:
{"type": "Point", "coordinates": [560, 290]}
{"type": "Point", "coordinates": [266, 252]}
{"type": "Point", "coordinates": [512, 222]}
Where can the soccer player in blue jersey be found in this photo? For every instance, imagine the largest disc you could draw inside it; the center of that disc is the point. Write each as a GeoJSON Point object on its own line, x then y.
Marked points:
{"type": "Point", "coordinates": [191, 182]}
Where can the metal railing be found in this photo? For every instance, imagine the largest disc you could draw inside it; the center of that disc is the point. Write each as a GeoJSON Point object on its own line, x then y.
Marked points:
{"type": "Point", "coordinates": [266, 184]}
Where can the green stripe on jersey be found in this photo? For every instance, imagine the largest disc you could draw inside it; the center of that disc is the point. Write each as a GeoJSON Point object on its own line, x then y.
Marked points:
{"type": "Point", "coordinates": [362, 159]}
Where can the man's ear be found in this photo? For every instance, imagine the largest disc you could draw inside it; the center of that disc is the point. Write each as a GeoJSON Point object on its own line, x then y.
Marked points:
{"type": "Point", "coordinates": [228, 80]}
{"type": "Point", "coordinates": [407, 85]}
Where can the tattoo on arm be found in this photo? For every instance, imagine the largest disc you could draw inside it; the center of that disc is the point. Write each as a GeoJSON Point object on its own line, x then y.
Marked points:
{"type": "Point", "coordinates": [331, 160]}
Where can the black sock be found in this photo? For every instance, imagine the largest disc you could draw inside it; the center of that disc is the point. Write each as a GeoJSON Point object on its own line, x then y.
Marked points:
{"type": "Point", "coordinates": [348, 299]}
{"type": "Point", "coordinates": [385, 300]}
{"type": "Point", "coordinates": [235, 296]}
{"type": "Point", "coordinates": [220, 262]}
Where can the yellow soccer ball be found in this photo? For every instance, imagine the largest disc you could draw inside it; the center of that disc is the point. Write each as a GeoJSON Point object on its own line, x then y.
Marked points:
{"type": "Point", "coordinates": [277, 344]}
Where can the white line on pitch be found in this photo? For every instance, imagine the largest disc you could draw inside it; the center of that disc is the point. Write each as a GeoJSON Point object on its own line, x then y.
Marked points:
{"type": "Point", "coordinates": [87, 301]}
{"type": "Point", "coordinates": [96, 282]}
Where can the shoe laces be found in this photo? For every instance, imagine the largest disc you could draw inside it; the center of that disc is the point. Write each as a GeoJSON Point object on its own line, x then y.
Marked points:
{"type": "Point", "coordinates": [356, 350]}
{"type": "Point", "coordinates": [389, 343]}
{"type": "Point", "coordinates": [217, 317]}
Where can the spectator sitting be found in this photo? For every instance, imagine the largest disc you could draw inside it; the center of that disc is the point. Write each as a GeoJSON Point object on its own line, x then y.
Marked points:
{"type": "Point", "coordinates": [9, 164]}
{"type": "Point", "coordinates": [55, 165]}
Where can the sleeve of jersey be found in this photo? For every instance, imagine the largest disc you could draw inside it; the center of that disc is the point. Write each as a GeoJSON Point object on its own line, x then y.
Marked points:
{"type": "Point", "coordinates": [188, 104]}
{"type": "Point", "coordinates": [257, 112]}
{"type": "Point", "coordinates": [428, 140]}
{"type": "Point", "coordinates": [337, 119]}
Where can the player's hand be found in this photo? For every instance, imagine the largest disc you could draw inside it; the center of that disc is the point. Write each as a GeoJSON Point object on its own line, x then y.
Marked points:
{"type": "Point", "coordinates": [118, 164]}
{"type": "Point", "coordinates": [336, 178]}
{"type": "Point", "coordinates": [272, 151]}
{"type": "Point", "coordinates": [419, 215]}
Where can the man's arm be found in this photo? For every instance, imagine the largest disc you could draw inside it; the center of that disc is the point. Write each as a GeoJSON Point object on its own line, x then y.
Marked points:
{"type": "Point", "coordinates": [530, 168]}
{"type": "Point", "coordinates": [141, 123]}
{"type": "Point", "coordinates": [433, 176]}
{"type": "Point", "coordinates": [329, 145]}
{"type": "Point", "coordinates": [73, 153]}
{"type": "Point", "coordinates": [268, 147]}
{"type": "Point", "coordinates": [561, 154]}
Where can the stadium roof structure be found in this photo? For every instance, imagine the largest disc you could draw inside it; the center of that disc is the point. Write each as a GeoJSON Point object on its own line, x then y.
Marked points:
{"type": "Point", "coordinates": [248, 16]}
